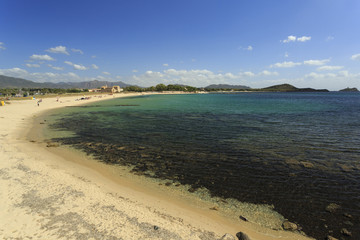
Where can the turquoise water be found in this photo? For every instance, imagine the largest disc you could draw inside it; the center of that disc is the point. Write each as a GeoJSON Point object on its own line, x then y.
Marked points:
{"type": "Point", "coordinates": [299, 151]}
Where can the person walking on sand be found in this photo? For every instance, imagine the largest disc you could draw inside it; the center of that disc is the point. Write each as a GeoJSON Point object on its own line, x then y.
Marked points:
{"type": "Point", "coordinates": [38, 102]}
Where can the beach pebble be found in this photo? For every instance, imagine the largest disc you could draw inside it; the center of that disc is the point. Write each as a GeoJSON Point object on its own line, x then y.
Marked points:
{"type": "Point", "coordinates": [332, 207]}
{"type": "Point", "coordinates": [330, 238]}
{"type": "Point", "coordinates": [348, 215]}
{"type": "Point", "coordinates": [243, 218]}
{"type": "Point", "coordinates": [214, 208]}
{"type": "Point", "coordinates": [227, 236]}
{"type": "Point", "coordinates": [156, 227]}
{"type": "Point", "coordinates": [289, 226]}
{"type": "Point", "coordinates": [346, 232]}
{"type": "Point", "coordinates": [242, 236]}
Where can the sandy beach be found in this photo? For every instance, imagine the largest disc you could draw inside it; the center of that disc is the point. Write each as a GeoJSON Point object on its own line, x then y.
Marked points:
{"type": "Point", "coordinates": [50, 193]}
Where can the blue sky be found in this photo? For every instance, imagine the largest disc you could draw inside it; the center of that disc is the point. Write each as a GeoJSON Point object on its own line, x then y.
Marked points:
{"type": "Point", "coordinates": [307, 43]}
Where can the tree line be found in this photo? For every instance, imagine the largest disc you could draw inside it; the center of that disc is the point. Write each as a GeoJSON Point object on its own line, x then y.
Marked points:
{"type": "Point", "coordinates": [161, 88]}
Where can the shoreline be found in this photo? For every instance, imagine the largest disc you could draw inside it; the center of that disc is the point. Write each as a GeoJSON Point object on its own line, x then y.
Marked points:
{"type": "Point", "coordinates": [84, 198]}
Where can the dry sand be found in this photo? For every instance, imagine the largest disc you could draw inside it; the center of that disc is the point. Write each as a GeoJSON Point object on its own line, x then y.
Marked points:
{"type": "Point", "coordinates": [50, 193]}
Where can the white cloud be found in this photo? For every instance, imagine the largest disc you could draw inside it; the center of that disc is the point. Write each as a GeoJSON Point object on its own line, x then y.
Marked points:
{"type": "Point", "coordinates": [316, 62]}
{"type": "Point", "coordinates": [194, 77]}
{"type": "Point", "coordinates": [268, 73]}
{"type": "Point", "coordinates": [14, 72]}
{"type": "Point", "coordinates": [292, 38]}
{"type": "Point", "coordinates": [79, 67]}
{"type": "Point", "coordinates": [77, 50]}
{"type": "Point", "coordinates": [289, 39]}
{"type": "Point", "coordinates": [93, 56]}
{"type": "Point", "coordinates": [165, 65]}
{"type": "Point", "coordinates": [42, 57]}
{"type": "Point", "coordinates": [58, 49]}
{"type": "Point", "coordinates": [32, 65]}
{"type": "Point", "coordinates": [286, 55]}
{"type": "Point", "coordinates": [76, 66]}
{"type": "Point", "coordinates": [135, 71]}
{"type": "Point", "coordinates": [2, 46]}
{"type": "Point", "coordinates": [285, 65]}
{"type": "Point", "coordinates": [94, 66]}
{"type": "Point", "coordinates": [106, 73]}
{"type": "Point", "coordinates": [303, 39]}
{"type": "Point", "coordinates": [329, 68]}
{"type": "Point", "coordinates": [249, 48]}
{"type": "Point", "coordinates": [55, 68]}
{"type": "Point", "coordinates": [356, 57]}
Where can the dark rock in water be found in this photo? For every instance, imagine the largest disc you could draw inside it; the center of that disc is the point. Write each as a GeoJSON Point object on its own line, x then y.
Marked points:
{"type": "Point", "coordinates": [332, 207]}
{"type": "Point", "coordinates": [243, 218]}
{"type": "Point", "coordinates": [346, 232]}
{"type": "Point", "coordinates": [348, 223]}
{"type": "Point", "coordinates": [289, 226]}
{"type": "Point", "coordinates": [156, 227]}
{"type": "Point", "coordinates": [168, 183]}
{"type": "Point", "coordinates": [227, 236]}
{"type": "Point", "coordinates": [348, 215]}
{"type": "Point", "coordinates": [242, 236]}
{"type": "Point", "coordinates": [330, 238]}
{"type": "Point", "coordinates": [192, 190]}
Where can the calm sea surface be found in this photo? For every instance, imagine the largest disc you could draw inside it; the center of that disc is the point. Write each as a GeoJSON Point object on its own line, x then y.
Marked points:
{"type": "Point", "coordinates": [297, 151]}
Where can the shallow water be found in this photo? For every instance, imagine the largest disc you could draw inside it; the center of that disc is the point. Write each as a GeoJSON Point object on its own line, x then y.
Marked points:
{"type": "Point", "coordinates": [297, 151]}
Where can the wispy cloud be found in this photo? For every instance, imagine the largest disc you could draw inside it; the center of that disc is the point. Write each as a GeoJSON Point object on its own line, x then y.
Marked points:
{"type": "Point", "coordinates": [356, 57]}
{"type": "Point", "coordinates": [32, 65]}
{"type": "Point", "coordinates": [58, 49]}
{"type": "Point", "coordinates": [94, 66]}
{"type": "Point", "coordinates": [268, 73]}
{"type": "Point", "coordinates": [76, 66]}
{"type": "Point", "coordinates": [329, 68]}
{"type": "Point", "coordinates": [2, 47]}
{"type": "Point", "coordinates": [55, 68]}
{"type": "Point", "coordinates": [292, 38]}
{"type": "Point", "coordinates": [165, 65]}
{"type": "Point", "coordinates": [106, 73]}
{"type": "Point", "coordinates": [316, 62]}
{"type": "Point", "coordinates": [77, 51]}
{"type": "Point", "coordinates": [42, 57]}
{"type": "Point", "coordinates": [330, 38]}
{"type": "Point", "coordinates": [79, 67]}
{"type": "Point", "coordinates": [285, 64]}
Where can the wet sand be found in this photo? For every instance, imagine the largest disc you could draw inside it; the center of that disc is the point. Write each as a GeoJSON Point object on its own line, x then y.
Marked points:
{"type": "Point", "coordinates": [58, 193]}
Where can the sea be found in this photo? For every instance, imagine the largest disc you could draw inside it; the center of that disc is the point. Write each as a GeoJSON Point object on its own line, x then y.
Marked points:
{"type": "Point", "coordinates": [298, 152]}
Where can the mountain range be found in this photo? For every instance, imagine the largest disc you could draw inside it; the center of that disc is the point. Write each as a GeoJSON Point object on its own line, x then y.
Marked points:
{"type": "Point", "coordinates": [12, 82]}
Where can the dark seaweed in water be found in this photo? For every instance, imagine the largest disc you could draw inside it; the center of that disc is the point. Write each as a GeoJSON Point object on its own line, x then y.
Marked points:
{"type": "Point", "coordinates": [298, 176]}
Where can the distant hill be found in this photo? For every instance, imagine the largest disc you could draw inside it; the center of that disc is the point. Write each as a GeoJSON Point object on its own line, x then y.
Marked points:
{"type": "Point", "coordinates": [11, 82]}
{"type": "Point", "coordinates": [226, 86]}
{"type": "Point", "coordinates": [349, 90]}
{"type": "Point", "coordinates": [290, 88]}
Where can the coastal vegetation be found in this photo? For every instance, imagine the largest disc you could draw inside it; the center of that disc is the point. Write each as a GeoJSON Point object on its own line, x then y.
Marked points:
{"type": "Point", "coordinates": [349, 90]}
